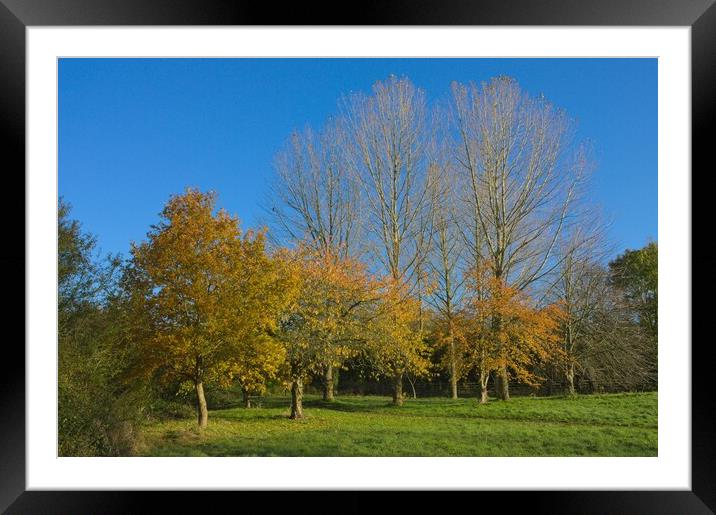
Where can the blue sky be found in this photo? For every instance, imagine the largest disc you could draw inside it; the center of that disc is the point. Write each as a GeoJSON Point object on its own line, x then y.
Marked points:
{"type": "Point", "coordinates": [134, 131]}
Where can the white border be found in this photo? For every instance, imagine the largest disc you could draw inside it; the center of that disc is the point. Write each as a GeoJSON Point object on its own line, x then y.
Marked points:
{"type": "Point", "coordinates": [672, 467]}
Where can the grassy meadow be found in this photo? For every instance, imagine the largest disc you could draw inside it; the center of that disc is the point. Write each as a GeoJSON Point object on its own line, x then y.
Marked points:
{"type": "Point", "coordinates": [594, 425]}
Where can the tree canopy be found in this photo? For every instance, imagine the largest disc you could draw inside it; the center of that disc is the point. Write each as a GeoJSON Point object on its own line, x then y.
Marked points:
{"type": "Point", "coordinates": [206, 292]}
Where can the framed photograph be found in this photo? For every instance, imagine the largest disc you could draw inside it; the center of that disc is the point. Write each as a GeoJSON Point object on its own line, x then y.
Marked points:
{"type": "Point", "coordinates": [414, 250]}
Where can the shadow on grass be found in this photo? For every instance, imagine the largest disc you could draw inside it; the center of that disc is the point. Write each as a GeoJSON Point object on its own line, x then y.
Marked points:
{"type": "Point", "coordinates": [572, 411]}
{"type": "Point", "coordinates": [470, 409]}
{"type": "Point", "coordinates": [256, 415]}
{"type": "Point", "coordinates": [339, 405]}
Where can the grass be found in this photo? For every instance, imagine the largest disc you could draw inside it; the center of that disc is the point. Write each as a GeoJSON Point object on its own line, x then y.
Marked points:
{"type": "Point", "coordinates": [595, 425]}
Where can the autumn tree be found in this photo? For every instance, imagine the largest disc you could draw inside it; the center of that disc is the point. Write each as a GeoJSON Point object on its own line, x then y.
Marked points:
{"type": "Point", "coordinates": [521, 177]}
{"type": "Point", "coordinates": [473, 327]}
{"type": "Point", "coordinates": [395, 342]}
{"type": "Point", "coordinates": [503, 330]}
{"type": "Point", "coordinates": [323, 326]}
{"type": "Point", "coordinates": [261, 359]}
{"type": "Point", "coordinates": [205, 291]}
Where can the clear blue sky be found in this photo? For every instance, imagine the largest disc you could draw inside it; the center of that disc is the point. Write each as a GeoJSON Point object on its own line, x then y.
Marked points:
{"type": "Point", "coordinates": [134, 131]}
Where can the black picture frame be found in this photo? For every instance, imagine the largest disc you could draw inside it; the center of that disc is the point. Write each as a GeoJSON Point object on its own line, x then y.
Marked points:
{"type": "Point", "coordinates": [16, 15]}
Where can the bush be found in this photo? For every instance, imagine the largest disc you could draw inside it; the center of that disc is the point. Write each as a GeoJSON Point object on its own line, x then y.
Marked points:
{"type": "Point", "coordinates": [94, 418]}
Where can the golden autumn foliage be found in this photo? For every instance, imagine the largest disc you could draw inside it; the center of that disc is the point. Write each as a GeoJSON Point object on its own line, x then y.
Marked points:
{"type": "Point", "coordinates": [500, 329]}
{"type": "Point", "coordinates": [395, 339]}
{"type": "Point", "coordinates": [445, 333]}
{"type": "Point", "coordinates": [323, 324]}
{"type": "Point", "coordinates": [261, 355]}
{"type": "Point", "coordinates": [209, 295]}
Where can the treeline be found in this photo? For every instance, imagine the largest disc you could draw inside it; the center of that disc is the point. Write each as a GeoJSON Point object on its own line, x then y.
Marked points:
{"type": "Point", "coordinates": [405, 240]}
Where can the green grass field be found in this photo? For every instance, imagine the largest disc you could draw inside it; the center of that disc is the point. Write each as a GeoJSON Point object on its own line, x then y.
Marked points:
{"type": "Point", "coordinates": [596, 425]}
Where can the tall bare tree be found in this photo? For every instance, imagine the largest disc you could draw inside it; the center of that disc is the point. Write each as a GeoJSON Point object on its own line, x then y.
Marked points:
{"type": "Point", "coordinates": [580, 289]}
{"type": "Point", "coordinates": [387, 135]}
{"type": "Point", "coordinates": [314, 198]}
{"type": "Point", "coordinates": [521, 176]}
{"type": "Point", "coordinates": [446, 258]}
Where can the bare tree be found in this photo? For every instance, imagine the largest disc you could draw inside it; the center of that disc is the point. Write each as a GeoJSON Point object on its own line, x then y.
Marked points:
{"type": "Point", "coordinates": [616, 351]}
{"type": "Point", "coordinates": [446, 256]}
{"type": "Point", "coordinates": [521, 176]}
{"type": "Point", "coordinates": [600, 341]}
{"type": "Point", "coordinates": [580, 290]}
{"type": "Point", "coordinates": [314, 198]}
{"type": "Point", "coordinates": [387, 135]}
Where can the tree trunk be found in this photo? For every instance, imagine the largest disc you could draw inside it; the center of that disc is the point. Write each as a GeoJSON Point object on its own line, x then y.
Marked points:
{"type": "Point", "coordinates": [569, 373]}
{"type": "Point", "coordinates": [201, 411]}
{"type": "Point", "coordinates": [247, 399]}
{"type": "Point", "coordinates": [398, 390]}
{"type": "Point", "coordinates": [297, 399]}
{"type": "Point", "coordinates": [328, 384]}
{"type": "Point", "coordinates": [483, 395]}
{"type": "Point", "coordinates": [412, 386]}
{"type": "Point", "coordinates": [453, 370]}
{"type": "Point", "coordinates": [502, 384]}
{"type": "Point", "coordinates": [484, 380]}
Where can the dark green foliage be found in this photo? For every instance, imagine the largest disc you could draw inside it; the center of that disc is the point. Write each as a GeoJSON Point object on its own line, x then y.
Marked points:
{"type": "Point", "coordinates": [635, 274]}
{"type": "Point", "coordinates": [97, 414]}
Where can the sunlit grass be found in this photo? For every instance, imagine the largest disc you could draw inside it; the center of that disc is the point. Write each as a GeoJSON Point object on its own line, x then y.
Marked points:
{"type": "Point", "coordinates": [597, 425]}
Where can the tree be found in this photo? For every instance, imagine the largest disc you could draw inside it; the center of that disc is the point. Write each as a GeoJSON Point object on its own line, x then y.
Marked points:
{"type": "Point", "coordinates": [315, 203]}
{"type": "Point", "coordinates": [635, 274]}
{"type": "Point", "coordinates": [205, 290]}
{"type": "Point", "coordinates": [388, 135]}
{"type": "Point", "coordinates": [616, 352]}
{"type": "Point", "coordinates": [323, 326]}
{"type": "Point", "coordinates": [521, 178]}
{"type": "Point", "coordinates": [82, 282]}
{"type": "Point", "coordinates": [581, 291]}
{"type": "Point", "coordinates": [261, 359]}
{"type": "Point", "coordinates": [634, 277]}
{"type": "Point", "coordinates": [503, 330]}
{"type": "Point", "coordinates": [600, 341]}
{"type": "Point", "coordinates": [97, 416]}
{"type": "Point", "coordinates": [395, 341]}
{"type": "Point", "coordinates": [446, 256]}
{"type": "Point", "coordinates": [314, 198]}
{"type": "Point", "coordinates": [387, 154]}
